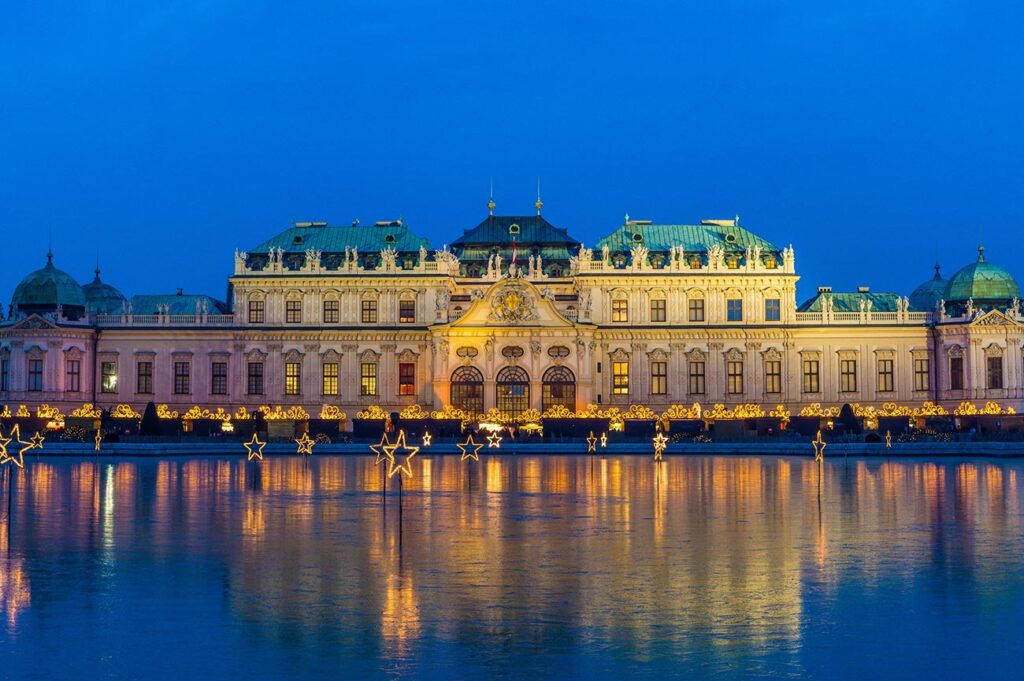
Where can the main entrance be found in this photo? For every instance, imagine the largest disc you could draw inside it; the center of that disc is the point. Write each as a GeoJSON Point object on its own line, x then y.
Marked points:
{"type": "Point", "coordinates": [513, 391]}
{"type": "Point", "coordinates": [559, 388]}
{"type": "Point", "coordinates": [467, 390]}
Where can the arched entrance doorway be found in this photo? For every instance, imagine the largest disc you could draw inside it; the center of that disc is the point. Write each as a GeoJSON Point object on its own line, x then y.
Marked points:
{"type": "Point", "coordinates": [467, 390]}
{"type": "Point", "coordinates": [513, 391]}
{"type": "Point", "coordinates": [559, 388]}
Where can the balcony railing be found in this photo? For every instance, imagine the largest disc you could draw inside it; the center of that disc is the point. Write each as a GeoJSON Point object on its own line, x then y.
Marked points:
{"type": "Point", "coordinates": [125, 320]}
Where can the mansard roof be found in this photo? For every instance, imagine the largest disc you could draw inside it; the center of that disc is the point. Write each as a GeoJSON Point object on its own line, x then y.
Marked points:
{"type": "Point", "coordinates": [850, 302]}
{"type": "Point", "coordinates": [180, 303]}
{"type": "Point", "coordinates": [335, 239]}
{"type": "Point", "coordinates": [725, 233]}
{"type": "Point", "coordinates": [535, 235]}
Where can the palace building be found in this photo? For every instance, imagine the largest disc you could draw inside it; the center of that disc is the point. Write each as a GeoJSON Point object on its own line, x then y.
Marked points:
{"type": "Point", "coordinates": [514, 314]}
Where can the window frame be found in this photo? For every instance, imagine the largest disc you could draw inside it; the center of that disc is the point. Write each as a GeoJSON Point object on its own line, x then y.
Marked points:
{"type": "Point", "coordinates": [144, 378]}
{"type": "Point", "coordinates": [406, 311]}
{"type": "Point", "coordinates": [255, 373]}
{"type": "Point", "coordinates": [734, 376]}
{"type": "Point", "coordinates": [293, 312]}
{"type": "Point", "coordinates": [773, 376]}
{"type": "Point", "coordinates": [773, 309]}
{"type": "Point", "coordinates": [257, 311]}
{"type": "Point", "coordinates": [695, 310]}
{"type": "Point", "coordinates": [886, 375]}
{"type": "Point", "coordinates": [182, 378]}
{"type": "Point", "coordinates": [406, 378]}
{"type": "Point", "coordinates": [659, 377]}
{"type": "Point", "coordinates": [620, 377]}
{"type": "Point", "coordinates": [620, 310]}
{"type": "Point", "coordinates": [218, 377]}
{"type": "Point", "coordinates": [697, 377]}
{"type": "Point", "coordinates": [922, 374]}
{"type": "Point", "coordinates": [734, 310]}
{"type": "Point", "coordinates": [73, 375]}
{"type": "Point", "coordinates": [810, 372]}
{"type": "Point", "coordinates": [329, 385]}
{"type": "Point", "coordinates": [368, 379]}
{"type": "Point", "coordinates": [659, 310]}
{"type": "Point", "coordinates": [847, 375]}
{"type": "Point", "coordinates": [331, 311]}
{"type": "Point", "coordinates": [293, 379]}
{"type": "Point", "coordinates": [368, 311]}
{"type": "Point", "coordinates": [108, 377]}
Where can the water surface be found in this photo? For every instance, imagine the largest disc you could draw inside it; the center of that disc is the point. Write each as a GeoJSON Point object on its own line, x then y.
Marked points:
{"type": "Point", "coordinates": [514, 566]}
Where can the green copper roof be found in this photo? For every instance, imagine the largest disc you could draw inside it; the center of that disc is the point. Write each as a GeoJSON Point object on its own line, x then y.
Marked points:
{"type": "Point", "coordinates": [334, 239]}
{"type": "Point", "coordinates": [179, 304]}
{"type": "Point", "coordinates": [983, 282]}
{"type": "Point", "coordinates": [926, 296]}
{"type": "Point", "coordinates": [690, 237]}
{"type": "Point", "coordinates": [850, 302]}
{"type": "Point", "coordinates": [46, 288]}
{"type": "Point", "coordinates": [102, 298]}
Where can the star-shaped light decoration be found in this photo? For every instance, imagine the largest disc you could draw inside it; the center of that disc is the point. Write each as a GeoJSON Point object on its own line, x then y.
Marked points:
{"type": "Point", "coordinates": [4, 441]}
{"type": "Point", "coordinates": [381, 450]}
{"type": "Point", "coordinates": [660, 443]}
{"type": "Point", "coordinates": [18, 458]}
{"type": "Point", "coordinates": [254, 447]}
{"type": "Point", "coordinates": [427, 437]}
{"type": "Point", "coordinates": [888, 440]}
{"type": "Point", "coordinates": [400, 447]}
{"type": "Point", "coordinates": [591, 442]}
{"type": "Point", "coordinates": [494, 440]}
{"type": "Point", "coordinates": [98, 440]}
{"type": "Point", "coordinates": [819, 447]}
{"type": "Point", "coordinates": [305, 444]}
{"type": "Point", "coordinates": [37, 440]}
{"type": "Point", "coordinates": [470, 444]}
{"type": "Point", "coordinates": [604, 439]}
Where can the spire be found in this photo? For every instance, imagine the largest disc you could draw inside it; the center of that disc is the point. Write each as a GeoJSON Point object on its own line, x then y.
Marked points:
{"type": "Point", "coordinates": [938, 275]}
{"type": "Point", "coordinates": [490, 202]}
{"type": "Point", "coordinates": [981, 253]}
{"type": "Point", "coordinates": [49, 249]}
{"type": "Point", "coordinates": [539, 204]}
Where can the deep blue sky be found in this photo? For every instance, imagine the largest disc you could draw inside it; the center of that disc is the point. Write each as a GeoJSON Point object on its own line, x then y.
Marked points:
{"type": "Point", "coordinates": [870, 134]}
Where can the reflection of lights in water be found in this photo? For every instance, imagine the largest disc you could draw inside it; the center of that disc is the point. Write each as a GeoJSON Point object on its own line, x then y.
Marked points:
{"type": "Point", "coordinates": [15, 594]}
{"type": "Point", "coordinates": [426, 475]}
{"type": "Point", "coordinates": [108, 509]}
{"type": "Point", "coordinates": [400, 616]}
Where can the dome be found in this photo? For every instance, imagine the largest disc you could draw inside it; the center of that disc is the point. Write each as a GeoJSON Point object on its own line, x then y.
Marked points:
{"type": "Point", "coordinates": [926, 296]}
{"type": "Point", "coordinates": [102, 298]}
{"type": "Point", "coordinates": [986, 284]}
{"type": "Point", "coordinates": [46, 289]}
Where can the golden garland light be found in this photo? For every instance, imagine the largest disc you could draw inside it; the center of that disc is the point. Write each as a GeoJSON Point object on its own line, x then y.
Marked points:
{"type": "Point", "coordinates": [373, 413]}
{"type": "Point", "coordinates": [413, 412]}
{"type": "Point", "coordinates": [23, 412]}
{"type": "Point", "coordinates": [295, 413]}
{"type": "Point", "coordinates": [330, 412]}
{"type": "Point", "coordinates": [591, 442]}
{"type": "Point", "coordinates": [165, 412]}
{"type": "Point", "coordinates": [427, 438]}
{"type": "Point", "coordinates": [400, 447]}
{"type": "Point", "coordinates": [819, 447]}
{"type": "Point", "coordinates": [467, 446]}
{"type": "Point", "coordinates": [660, 442]}
{"type": "Point", "coordinates": [124, 411]}
{"type": "Point", "coordinates": [494, 440]}
{"type": "Point", "coordinates": [254, 448]}
{"type": "Point", "coordinates": [679, 412]}
{"type": "Point", "coordinates": [86, 411]}
{"type": "Point", "coordinates": [305, 444]}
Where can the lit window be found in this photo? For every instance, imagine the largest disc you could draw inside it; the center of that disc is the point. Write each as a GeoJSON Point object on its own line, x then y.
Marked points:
{"type": "Point", "coordinates": [886, 376]}
{"type": "Point", "coordinates": [369, 312]}
{"type": "Point", "coordinates": [144, 378]}
{"type": "Point", "coordinates": [848, 376]}
{"type": "Point", "coordinates": [658, 311]}
{"type": "Point", "coordinates": [772, 309]}
{"type": "Point", "coordinates": [332, 312]}
{"type": "Point", "coordinates": [620, 311]}
{"type": "Point", "coordinates": [696, 307]}
{"type": "Point", "coordinates": [407, 312]}
{"type": "Point", "coordinates": [330, 382]}
{"type": "Point", "coordinates": [734, 310]}
{"type": "Point", "coordinates": [182, 378]}
{"type": "Point", "coordinates": [406, 378]}
{"type": "Point", "coordinates": [108, 377]}
{"type": "Point", "coordinates": [368, 378]}
{"type": "Point", "coordinates": [773, 376]}
{"type": "Point", "coordinates": [620, 378]}
{"type": "Point", "coordinates": [292, 378]}
{"type": "Point", "coordinates": [293, 311]}
{"type": "Point", "coordinates": [219, 378]}
{"type": "Point", "coordinates": [659, 378]}
{"type": "Point", "coordinates": [734, 377]}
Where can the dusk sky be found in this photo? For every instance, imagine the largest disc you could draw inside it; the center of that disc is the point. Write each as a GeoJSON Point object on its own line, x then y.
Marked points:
{"type": "Point", "coordinates": [873, 135]}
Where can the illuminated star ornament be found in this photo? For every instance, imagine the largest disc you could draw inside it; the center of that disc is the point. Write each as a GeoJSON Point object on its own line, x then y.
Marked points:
{"type": "Point", "coordinates": [254, 448]}
{"type": "Point", "coordinates": [401, 448]}
{"type": "Point", "coordinates": [604, 439]}
{"type": "Point", "coordinates": [888, 440]}
{"type": "Point", "coordinates": [470, 448]}
{"type": "Point", "coordinates": [18, 458]}
{"type": "Point", "coordinates": [494, 440]}
{"type": "Point", "coordinates": [427, 437]}
{"type": "Point", "coordinates": [4, 441]}
{"type": "Point", "coordinates": [305, 444]}
{"type": "Point", "coordinates": [37, 440]}
{"type": "Point", "coordinates": [381, 450]}
{"type": "Point", "coordinates": [591, 442]}
{"type": "Point", "coordinates": [819, 447]}
{"type": "Point", "coordinates": [660, 443]}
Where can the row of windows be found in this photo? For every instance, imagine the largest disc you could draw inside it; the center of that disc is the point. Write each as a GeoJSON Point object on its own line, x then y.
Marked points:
{"type": "Point", "coordinates": [695, 310]}
{"type": "Point", "coordinates": [332, 312]}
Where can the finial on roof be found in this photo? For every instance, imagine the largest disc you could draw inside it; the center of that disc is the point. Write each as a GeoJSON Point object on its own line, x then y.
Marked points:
{"type": "Point", "coordinates": [627, 218]}
{"type": "Point", "coordinates": [539, 204]}
{"type": "Point", "coordinates": [981, 253]}
{"type": "Point", "coordinates": [736, 221]}
{"type": "Point", "coordinates": [938, 275]}
{"type": "Point", "coordinates": [49, 249]}
{"type": "Point", "coordinates": [490, 201]}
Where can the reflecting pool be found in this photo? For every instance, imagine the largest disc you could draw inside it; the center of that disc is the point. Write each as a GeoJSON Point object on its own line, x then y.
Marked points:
{"type": "Point", "coordinates": [572, 567]}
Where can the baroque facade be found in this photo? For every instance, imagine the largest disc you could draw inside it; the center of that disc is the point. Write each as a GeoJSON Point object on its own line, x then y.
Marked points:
{"type": "Point", "coordinates": [515, 314]}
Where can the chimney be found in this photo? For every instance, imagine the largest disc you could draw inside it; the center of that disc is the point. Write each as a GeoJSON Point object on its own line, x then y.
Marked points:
{"type": "Point", "coordinates": [824, 289]}
{"type": "Point", "coordinates": [863, 289]}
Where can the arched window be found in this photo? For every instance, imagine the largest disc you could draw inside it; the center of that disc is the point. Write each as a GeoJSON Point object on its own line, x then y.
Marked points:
{"type": "Point", "coordinates": [513, 391]}
{"type": "Point", "coordinates": [467, 389]}
{"type": "Point", "coordinates": [559, 387]}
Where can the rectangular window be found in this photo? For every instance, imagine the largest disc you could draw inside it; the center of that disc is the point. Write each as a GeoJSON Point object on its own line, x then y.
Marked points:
{"type": "Point", "coordinates": [772, 309]}
{"type": "Point", "coordinates": [773, 376]}
{"type": "Point", "coordinates": [368, 378]}
{"type": "Point", "coordinates": [922, 370]}
{"type": "Point", "coordinates": [620, 311]}
{"type": "Point", "coordinates": [293, 311]}
{"type": "Point", "coordinates": [74, 377]}
{"type": "Point", "coordinates": [956, 373]}
{"type": "Point", "coordinates": [256, 309]}
{"type": "Point", "coordinates": [696, 307]}
{"type": "Point", "coordinates": [369, 312]}
{"type": "Point", "coordinates": [696, 378]}
{"type": "Point", "coordinates": [734, 310]}
{"type": "Point", "coordinates": [659, 378]}
{"type": "Point", "coordinates": [330, 378]}
{"type": "Point", "coordinates": [182, 378]}
{"type": "Point", "coordinates": [734, 377]}
{"type": "Point", "coordinates": [406, 311]}
{"type": "Point", "coordinates": [144, 378]}
{"type": "Point", "coordinates": [994, 367]}
{"type": "Point", "coordinates": [620, 378]}
{"type": "Point", "coordinates": [5, 374]}
{"type": "Point", "coordinates": [658, 311]}
{"type": "Point", "coordinates": [219, 378]}
{"type": "Point", "coordinates": [254, 382]}
{"type": "Point", "coordinates": [332, 311]}
{"type": "Point", "coordinates": [35, 375]}
{"type": "Point", "coordinates": [847, 375]}
{"type": "Point", "coordinates": [406, 378]}
{"type": "Point", "coordinates": [885, 376]}
{"type": "Point", "coordinates": [812, 374]}
{"type": "Point", "coordinates": [108, 377]}
{"type": "Point", "coordinates": [292, 378]}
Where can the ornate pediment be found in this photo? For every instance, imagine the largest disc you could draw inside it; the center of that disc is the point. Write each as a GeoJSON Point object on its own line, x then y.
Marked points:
{"type": "Point", "coordinates": [772, 355]}
{"type": "Point", "coordinates": [993, 318]}
{"type": "Point", "coordinates": [292, 355]}
{"type": "Point", "coordinates": [407, 355]}
{"type": "Point", "coordinates": [512, 302]}
{"type": "Point", "coordinates": [368, 356]}
{"type": "Point", "coordinates": [696, 355]}
{"type": "Point", "coordinates": [734, 354]}
{"type": "Point", "coordinates": [331, 355]}
{"type": "Point", "coordinates": [255, 355]}
{"type": "Point", "coordinates": [34, 322]}
{"type": "Point", "coordinates": [619, 355]}
{"type": "Point", "coordinates": [658, 355]}
{"type": "Point", "coordinates": [956, 350]}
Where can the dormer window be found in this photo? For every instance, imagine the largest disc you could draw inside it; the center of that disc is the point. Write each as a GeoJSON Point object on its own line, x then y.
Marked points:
{"type": "Point", "coordinates": [638, 237]}
{"type": "Point", "coordinates": [389, 238]}
{"type": "Point", "coordinates": [513, 229]}
{"type": "Point", "coordinates": [297, 239]}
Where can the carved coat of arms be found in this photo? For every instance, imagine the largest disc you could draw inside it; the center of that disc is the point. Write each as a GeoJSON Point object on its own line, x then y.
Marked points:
{"type": "Point", "coordinates": [512, 304]}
